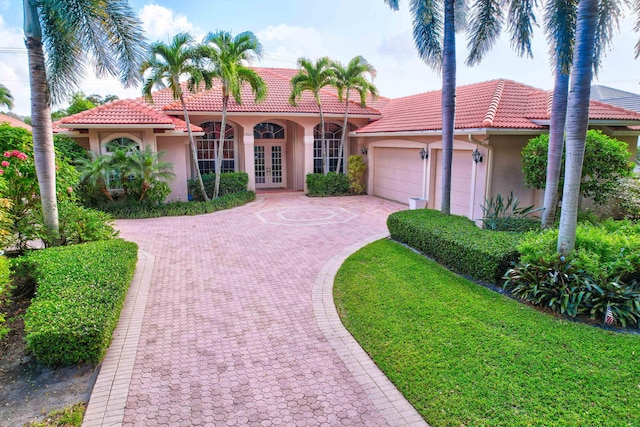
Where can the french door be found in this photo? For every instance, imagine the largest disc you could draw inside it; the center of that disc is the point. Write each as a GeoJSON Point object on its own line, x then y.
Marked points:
{"type": "Point", "coordinates": [269, 165]}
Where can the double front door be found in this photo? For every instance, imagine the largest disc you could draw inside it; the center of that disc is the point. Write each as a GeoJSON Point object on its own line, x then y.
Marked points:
{"type": "Point", "coordinates": [269, 165]}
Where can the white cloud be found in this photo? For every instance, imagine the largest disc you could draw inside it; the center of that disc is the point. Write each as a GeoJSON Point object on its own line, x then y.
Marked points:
{"type": "Point", "coordinates": [14, 70]}
{"type": "Point", "coordinates": [161, 23]}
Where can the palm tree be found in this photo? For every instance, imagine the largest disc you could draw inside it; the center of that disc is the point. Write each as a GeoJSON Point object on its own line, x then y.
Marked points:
{"type": "Point", "coordinates": [313, 77]}
{"type": "Point", "coordinates": [5, 97]}
{"type": "Point", "coordinates": [434, 27]}
{"type": "Point", "coordinates": [351, 78]}
{"type": "Point", "coordinates": [577, 120]}
{"type": "Point", "coordinates": [109, 32]}
{"type": "Point", "coordinates": [167, 64]}
{"type": "Point", "coordinates": [228, 56]}
{"type": "Point", "coordinates": [148, 165]}
{"type": "Point", "coordinates": [95, 172]}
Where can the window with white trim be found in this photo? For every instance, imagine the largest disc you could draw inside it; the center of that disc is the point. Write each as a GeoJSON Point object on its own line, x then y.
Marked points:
{"type": "Point", "coordinates": [207, 148]}
{"type": "Point", "coordinates": [332, 138]}
{"type": "Point", "coordinates": [267, 130]}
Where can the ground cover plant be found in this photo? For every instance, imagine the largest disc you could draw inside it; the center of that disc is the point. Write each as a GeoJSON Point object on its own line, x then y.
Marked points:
{"type": "Point", "coordinates": [465, 355]}
{"type": "Point", "coordinates": [80, 290]}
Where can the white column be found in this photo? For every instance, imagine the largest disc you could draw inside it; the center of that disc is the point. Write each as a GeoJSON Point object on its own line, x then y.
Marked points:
{"type": "Point", "coordinates": [308, 154]}
{"type": "Point", "coordinates": [249, 160]}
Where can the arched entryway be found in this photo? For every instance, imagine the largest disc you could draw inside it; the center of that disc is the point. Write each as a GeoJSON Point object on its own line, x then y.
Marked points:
{"type": "Point", "coordinates": [270, 155]}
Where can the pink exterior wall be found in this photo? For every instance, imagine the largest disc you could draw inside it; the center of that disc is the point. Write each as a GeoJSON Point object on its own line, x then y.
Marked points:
{"type": "Point", "coordinates": [178, 156]}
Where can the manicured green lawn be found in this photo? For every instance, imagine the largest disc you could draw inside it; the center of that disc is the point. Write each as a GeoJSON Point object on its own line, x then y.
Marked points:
{"type": "Point", "coordinates": [464, 355]}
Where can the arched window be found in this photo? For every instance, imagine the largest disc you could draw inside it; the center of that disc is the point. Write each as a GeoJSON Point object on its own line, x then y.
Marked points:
{"type": "Point", "coordinates": [207, 148]}
{"type": "Point", "coordinates": [268, 130]}
{"type": "Point", "coordinates": [332, 137]}
{"type": "Point", "coordinates": [122, 143]}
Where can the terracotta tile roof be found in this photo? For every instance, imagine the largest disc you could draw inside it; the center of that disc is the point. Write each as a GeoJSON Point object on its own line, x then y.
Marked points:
{"type": "Point", "coordinates": [13, 122]}
{"type": "Point", "coordinates": [277, 100]}
{"type": "Point", "coordinates": [494, 104]}
{"type": "Point", "coordinates": [124, 112]}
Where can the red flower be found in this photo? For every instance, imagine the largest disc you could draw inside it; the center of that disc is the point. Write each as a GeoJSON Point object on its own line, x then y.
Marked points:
{"type": "Point", "coordinates": [1, 171]}
{"type": "Point", "coordinates": [4, 163]}
{"type": "Point", "coordinates": [7, 154]}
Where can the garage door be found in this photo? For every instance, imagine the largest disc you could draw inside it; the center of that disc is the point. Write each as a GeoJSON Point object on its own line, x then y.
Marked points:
{"type": "Point", "coordinates": [397, 173]}
{"type": "Point", "coordinates": [461, 168]}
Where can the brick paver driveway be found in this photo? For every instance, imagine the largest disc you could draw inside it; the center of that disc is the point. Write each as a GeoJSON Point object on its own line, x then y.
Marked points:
{"type": "Point", "coordinates": [228, 335]}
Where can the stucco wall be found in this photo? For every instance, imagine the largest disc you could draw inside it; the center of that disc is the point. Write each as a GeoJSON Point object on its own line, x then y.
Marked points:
{"type": "Point", "coordinates": [178, 156]}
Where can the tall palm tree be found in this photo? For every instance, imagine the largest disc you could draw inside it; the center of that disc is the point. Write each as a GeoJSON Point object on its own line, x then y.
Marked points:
{"type": "Point", "coordinates": [313, 77]}
{"type": "Point", "coordinates": [352, 77]}
{"type": "Point", "coordinates": [5, 97]}
{"type": "Point", "coordinates": [577, 120]}
{"type": "Point", "coordinates": [70, 31]}
{"type": "Point", "coordinates": [434, 26]}
{"type": "Point", "coordinates": [229, 57]}
{"type": "Point", "coordinates": [167, 64]}
{"type": "Point", "coordinates": [149, 166]}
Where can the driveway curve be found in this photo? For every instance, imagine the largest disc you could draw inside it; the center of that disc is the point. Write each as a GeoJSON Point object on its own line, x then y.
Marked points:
{"type": "Point", "coordinates": [227, 331]}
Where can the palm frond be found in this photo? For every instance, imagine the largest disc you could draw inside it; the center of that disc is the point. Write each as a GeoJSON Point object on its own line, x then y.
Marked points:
{"type": "Point", "coordinates": [521, 20]}
{"type": "Point", "coordinates": [484, 29]}
{"type": "Point", "coordinates": [560, 28]}
{"type": "Point", "coordinates": [609, 13]}
{"type": "Point", "coordinates": [393, 4]}
{"type": "Point", "coordinates": [427, 31]}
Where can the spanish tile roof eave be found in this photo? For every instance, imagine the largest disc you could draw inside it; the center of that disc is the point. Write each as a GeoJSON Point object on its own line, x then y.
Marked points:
{"type": "Point", "coordinates": [271, 113]}
{"type": "Point", "coordinates": [180, 133]}
{"type": "Point", "coordinates": [473, 131]}
{"type": "Point", "coordinates": [115, 126]}
{"type": "Point", "coordinates": [595, 122]}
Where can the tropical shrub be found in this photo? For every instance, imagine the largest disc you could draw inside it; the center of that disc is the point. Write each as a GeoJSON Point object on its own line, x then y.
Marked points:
{"type": "Point", "coordinates": [4, 284]}
{"type": "Point", "coordinates": [80, 290]}
{"type": "Point", "coordinates": [68, 149]}
{"type": "Point", "coordinates": [604, 252]}
{"type": "Point", "coordinates": [230, 182]}
{"type": "Point", "coordinates": [628, 198]}
{"type": "Point", "coordinates": [606, 160]}
{"type": "Point", "coordinates": [156, 192]}
{"type": "Point", "coordinates": [355, 172]}
{"type": "Point", "coordinates": [499, 214]}
{"type": "Point", "coordinates": [456, 242]}
{"type": "Point", "coordinates": [561, 286]}
{"type": "Point", "coordinates": [331, 184]}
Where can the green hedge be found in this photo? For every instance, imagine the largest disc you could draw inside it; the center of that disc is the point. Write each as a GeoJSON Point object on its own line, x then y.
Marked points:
{"type": "Point", "coordinates": [230, 182]}
{"type": "Point", "coordinates": [456, 242]}
{"type": "Point", "coordinates": [4, 274]}
{"type": "Point", "coordinates": [331, 184]}
{"type": "Point", "coordinates": [80, 290]}
{"type": "Point", "coordinates": [138, 211]}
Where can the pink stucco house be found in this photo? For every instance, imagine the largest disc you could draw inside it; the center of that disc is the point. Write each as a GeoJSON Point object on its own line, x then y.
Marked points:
{"type": "Point", "coordinates": [277, 144]}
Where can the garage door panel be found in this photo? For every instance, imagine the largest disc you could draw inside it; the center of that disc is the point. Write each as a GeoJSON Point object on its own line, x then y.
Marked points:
{"type": "Point", "coordinates": [397, 173]}
{"type": "Point", "coordinates": [461, 169]}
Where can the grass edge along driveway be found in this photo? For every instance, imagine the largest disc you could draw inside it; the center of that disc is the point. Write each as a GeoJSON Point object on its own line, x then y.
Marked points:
{"type": "Point", "coordinates": [464, 355]}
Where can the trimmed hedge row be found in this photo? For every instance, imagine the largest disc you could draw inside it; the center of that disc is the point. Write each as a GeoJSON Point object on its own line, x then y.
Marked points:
{"type": "Point", "coordinates": [138, 211]}
{"type": "Point", "coordinates": [4, 274]}
{"type": "Point", "coordinates": [230, 182]}
{"type": "Point", "coordinates": [456, 242]}
{"type": "Point", "coordinates": [80, 290]}
{"type": "Point", "coordinates": [331, 184]}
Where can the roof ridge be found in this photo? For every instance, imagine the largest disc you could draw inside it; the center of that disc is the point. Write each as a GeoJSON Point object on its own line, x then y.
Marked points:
{"type": "Point", "coordinates": [493, 105]}
{"type": "Point", "coordinates": [549, 102]}
{"type": "Point", "coordinates": [145, 108]}
{"type": "Point", "coordinates": [91, 110]}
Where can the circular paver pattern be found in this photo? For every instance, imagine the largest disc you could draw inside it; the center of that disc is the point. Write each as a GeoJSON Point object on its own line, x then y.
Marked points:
{"type": "Point", "coordinates": [228, 336]}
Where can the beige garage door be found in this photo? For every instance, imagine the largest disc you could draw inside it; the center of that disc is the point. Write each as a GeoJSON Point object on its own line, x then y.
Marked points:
{"type": "Point", "coordinates": [461, 168]}
{"type": "Point", "coordinates": [397, 173]}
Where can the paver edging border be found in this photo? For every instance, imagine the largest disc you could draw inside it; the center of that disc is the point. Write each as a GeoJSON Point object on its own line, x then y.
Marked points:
{"type": "Point", "coordinates": [393, 406]}
{"type": "Point", "coordinates": [109, 396]}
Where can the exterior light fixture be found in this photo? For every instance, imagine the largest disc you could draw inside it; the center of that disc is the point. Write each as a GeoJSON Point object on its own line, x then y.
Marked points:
{"type": "Point", "coordinates": [424, 154]}
{"type": "Point", "coordinates": [364, 150]}
{"type": "Point", "coordinates": [477, 157]}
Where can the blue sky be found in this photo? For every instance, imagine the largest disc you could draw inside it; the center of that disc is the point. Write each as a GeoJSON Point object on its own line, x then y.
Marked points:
{"type": "Point", "coordinates": [340, 29]}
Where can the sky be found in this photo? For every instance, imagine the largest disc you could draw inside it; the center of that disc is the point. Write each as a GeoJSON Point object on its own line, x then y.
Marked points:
{"type": "Point", "coordinates": [340, 29]}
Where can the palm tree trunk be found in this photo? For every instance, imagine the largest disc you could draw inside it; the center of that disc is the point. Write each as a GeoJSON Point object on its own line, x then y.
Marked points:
{"type": "Point", "coordinates": [577, 121]}
{"type": "Point", "coordinates": [223, 125]}
{"type": "Point", "coordinates": [448, 101]}
{"type": "Point", "coordinates": [556, 145]}
{"type": "Point", "coordinates": [43, 151]}
{"type": "Point", "coordinates": [325, 151]}
{"type": "Point", "coordinates": [344, 131]}
{"type": "Point", "coordinates": [194, 152]}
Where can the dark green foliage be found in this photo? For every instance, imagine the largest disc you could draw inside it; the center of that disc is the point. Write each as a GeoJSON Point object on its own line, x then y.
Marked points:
{"type": "Point", "coordinates": [456, 242]}
{"type": "Point", "coordinates": [154, 195]}
{"type": "Point", "coordinates": [4, 274]}
{"type": "Point", "coordinates": [606, 160]}
{"type": "Point", "coordinates": [146, 210]}
{"type": "Point", "coordinates": [68, 149]}
{"type": "Point", "coordinates": [230, 182]}
{"type": "Point", "coordinates": [80, 225]}
{"type": "Point", "coordinates": [507, 215]}
{"type": "Point", "coordinates": [563, 287]}
{"type": "Point", "coordinates": [331, 184]}
{"type": "Point", "coordinates": [79, 294]}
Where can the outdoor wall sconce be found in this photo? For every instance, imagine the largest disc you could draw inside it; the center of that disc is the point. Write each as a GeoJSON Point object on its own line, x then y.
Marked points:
{"type": "Point", "coordinates": [364, 150]}
{"type": "Point", "coordinates": [424, 154]}
{"type": "Point", "coordinates": [477, 157]}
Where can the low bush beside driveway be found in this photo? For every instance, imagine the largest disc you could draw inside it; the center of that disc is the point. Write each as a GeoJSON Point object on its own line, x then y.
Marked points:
{"type": "Point", "coordinates": [80, 290]}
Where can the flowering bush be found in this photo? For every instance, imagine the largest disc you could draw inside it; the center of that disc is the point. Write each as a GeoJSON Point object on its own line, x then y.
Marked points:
{"type": "Point", "coordinates": [629, 197]}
